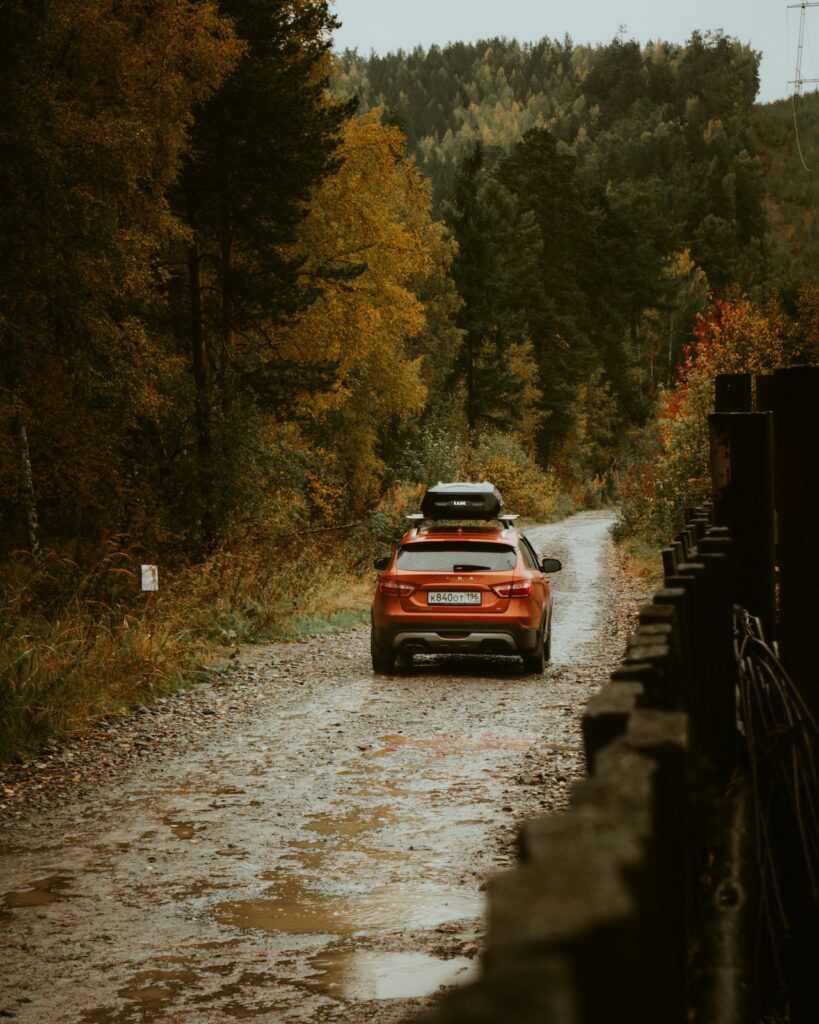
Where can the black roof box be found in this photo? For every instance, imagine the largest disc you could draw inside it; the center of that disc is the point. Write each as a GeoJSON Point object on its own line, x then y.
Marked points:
{"type": "Point", "coordinates": [462, 501]}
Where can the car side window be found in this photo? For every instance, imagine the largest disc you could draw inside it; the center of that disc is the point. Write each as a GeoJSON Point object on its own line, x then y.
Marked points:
{"type": "Point", "coordinates": [528, 555]}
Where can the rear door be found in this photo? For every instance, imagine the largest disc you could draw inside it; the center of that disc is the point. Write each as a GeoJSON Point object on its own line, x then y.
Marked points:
{"type": "Point", "coordinates": [455, 577]}
{"type": "Point", "coordinates": [541, 591]}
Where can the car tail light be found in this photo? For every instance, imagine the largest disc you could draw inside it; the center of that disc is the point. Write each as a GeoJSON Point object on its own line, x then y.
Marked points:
{"type": "Point", "coordinates": [520, 588]}
{"type": "Point", "coordinates": [392, 588]}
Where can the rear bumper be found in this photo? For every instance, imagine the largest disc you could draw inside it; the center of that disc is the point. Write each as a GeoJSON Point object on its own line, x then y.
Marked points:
{"type": "Point", "coordinates": [462, 637]}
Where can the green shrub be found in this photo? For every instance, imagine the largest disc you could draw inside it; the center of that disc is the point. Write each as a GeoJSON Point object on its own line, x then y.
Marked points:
{"type": "Point", "coordinates": [526, 488]}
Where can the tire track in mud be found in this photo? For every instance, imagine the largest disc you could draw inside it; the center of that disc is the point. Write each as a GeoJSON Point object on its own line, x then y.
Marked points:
{"type": "Point", "coordinates": [313, 843]}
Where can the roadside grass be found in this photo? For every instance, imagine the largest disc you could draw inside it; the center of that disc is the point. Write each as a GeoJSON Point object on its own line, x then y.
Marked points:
{"type": "Point", "coordinates": [76, 645]}
{"type": "Point", "coordinates": [342, 605]}
{"type": "Point", "coordinates": [641, 560]}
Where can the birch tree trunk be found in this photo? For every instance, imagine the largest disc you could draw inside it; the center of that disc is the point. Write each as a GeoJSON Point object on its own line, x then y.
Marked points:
{"type": "Point", "coordinates": [201, 377]}
{"type": "Point", "coordinates": [27, 488]}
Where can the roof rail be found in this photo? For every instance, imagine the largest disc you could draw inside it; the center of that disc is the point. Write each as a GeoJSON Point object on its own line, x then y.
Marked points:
{"type": "Point", "coordinates": [506, 519]}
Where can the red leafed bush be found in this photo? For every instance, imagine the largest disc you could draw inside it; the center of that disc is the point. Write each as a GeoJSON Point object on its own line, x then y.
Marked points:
{"type": "Point", "coordinates": [668, 468]}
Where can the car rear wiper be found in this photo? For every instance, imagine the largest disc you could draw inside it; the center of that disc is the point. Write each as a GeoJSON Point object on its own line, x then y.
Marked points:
{"type": "Point", "coordinates": [471, 568]}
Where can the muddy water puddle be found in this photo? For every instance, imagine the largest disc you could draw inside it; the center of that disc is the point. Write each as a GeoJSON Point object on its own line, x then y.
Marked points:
{"type": "Point", "coordinates": [183, 829]}
{"type": "Point", "coordinates": [365, 974]}
{"type": "Point", "coordinates": [294, 906]}
{"type": "Point", "coordinates": [349, 975]}
{"type": "Point", "coordinates": [451, 745]}
{"type": "Point", "coordinates": [352, 824]}
{"type": "Point", "coordinates": [40, 893]}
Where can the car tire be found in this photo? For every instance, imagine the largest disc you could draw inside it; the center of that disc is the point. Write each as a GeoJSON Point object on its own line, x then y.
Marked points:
{"type": "Point", "coordinates": [383, 658]}
{"type": "Point", "coordinates": [547, 645]}
{"type": "Point", "coordinates": [534, 662]}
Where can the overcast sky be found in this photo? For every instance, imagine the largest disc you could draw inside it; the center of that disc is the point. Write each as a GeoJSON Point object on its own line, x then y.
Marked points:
{"type": "Point", "coordinates": [768, 25]}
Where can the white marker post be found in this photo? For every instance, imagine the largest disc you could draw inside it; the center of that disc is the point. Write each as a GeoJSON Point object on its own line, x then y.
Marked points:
{"type": "Point", "coordinates": [150, 577]}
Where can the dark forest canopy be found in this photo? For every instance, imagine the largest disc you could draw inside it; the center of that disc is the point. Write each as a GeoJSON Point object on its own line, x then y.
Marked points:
{"type": "Point", "coordinates": [618, 107]}
{"type": "Point", "coordinates": [791, 190]}
{"type": "Point", "coordinates": [495, 90]}
{"type": "Point", "coordinates": [211, 280]}
{"type": "Point", "coordinates": [606, 192]}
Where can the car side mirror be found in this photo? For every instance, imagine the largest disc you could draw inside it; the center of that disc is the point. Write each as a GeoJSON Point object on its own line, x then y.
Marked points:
{"type": "Point", "coordinates": [381, 563]}
{"type": "Point", "coordinates": [551, 565]}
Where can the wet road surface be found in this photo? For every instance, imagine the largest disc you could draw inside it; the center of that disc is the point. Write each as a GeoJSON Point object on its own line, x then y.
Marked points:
{"type": "Point", "coordinates": [319, 853]}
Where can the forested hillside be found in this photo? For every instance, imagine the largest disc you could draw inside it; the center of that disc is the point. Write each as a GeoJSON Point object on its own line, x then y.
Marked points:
{"type": "Point", "coordinates": [611, 204]}
{"type": "Point", "coordinates": [791, 190]}
{"type": "Point", "coordinates": [246, 285]}
{"type": "Point", "coordinates": [598, 195]}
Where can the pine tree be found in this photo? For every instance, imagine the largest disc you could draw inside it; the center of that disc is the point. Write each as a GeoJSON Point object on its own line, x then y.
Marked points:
{"type": "Point", "coordinates": [555, 276]}
{"type": "Point", "coordinates": [481, 215]}
{"type": "Point", "coordinates": [260, 147]}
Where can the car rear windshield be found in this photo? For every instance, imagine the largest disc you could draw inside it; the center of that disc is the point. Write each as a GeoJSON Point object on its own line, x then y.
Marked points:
{"type": "Point", "coordinates": [451, 556]}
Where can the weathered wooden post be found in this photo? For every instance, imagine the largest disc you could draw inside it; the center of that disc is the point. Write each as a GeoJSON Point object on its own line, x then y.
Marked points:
{"type": "Point", "coordinates": [655, 653]}
{"type": "Point", "coordinates": [650, 676]}
{"type": "Point", "coordinates": [728, 913]}
{"type": "Point", "coordinates": [796, 427]}
{"type": "Point", "coordinates": [797, 454]}
{"type": "Point", "coordinates": [719, 733]}
{"type": "Point", "coordinates": [765, 392]}
{"type": "Point", "coordinates": [570, 902]}
{"type": "Point", "coordinates": [733, 392]}
{"type": "Point", "coordinates": [679, 599]}
{"type": "Point", "coordinates": [606, 717]}
{"type": "Point", "coordinates": [663, 736]}
{"type": "Point", "coordinates": [690, 577]}
{"type": "Point", "coordinates": [742, 484]}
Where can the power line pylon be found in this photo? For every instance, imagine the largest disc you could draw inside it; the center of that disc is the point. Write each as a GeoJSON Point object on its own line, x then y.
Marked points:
{"type": "Point", "coordinates": [798, 81]}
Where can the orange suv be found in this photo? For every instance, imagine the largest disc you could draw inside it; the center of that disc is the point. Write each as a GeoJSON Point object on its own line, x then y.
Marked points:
{"type": "Point", "coordinates": [456, 589]}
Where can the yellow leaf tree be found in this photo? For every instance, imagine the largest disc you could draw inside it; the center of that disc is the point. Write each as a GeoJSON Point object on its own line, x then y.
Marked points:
{"type": "Point", "coordinates": [371, 239]}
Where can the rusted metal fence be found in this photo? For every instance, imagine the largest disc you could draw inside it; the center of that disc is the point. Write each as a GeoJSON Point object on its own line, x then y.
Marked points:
{"type": "Point", "coordinates": [678, 885]}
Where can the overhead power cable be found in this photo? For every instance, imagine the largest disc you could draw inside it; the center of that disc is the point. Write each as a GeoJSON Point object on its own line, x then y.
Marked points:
{"type": "Point", "coordinates": [798, 81]}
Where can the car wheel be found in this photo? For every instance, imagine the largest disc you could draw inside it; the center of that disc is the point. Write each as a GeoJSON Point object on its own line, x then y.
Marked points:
{"type": "Point", "coordinates": [535, 661]}
{"type": "Point", "coordinates": [547, 645]}
{"type": "Point", "coordinates": [383, 658]}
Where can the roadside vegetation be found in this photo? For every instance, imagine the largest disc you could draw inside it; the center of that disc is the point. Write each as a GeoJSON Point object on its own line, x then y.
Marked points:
{"type": "Point", "coordinates": [520, 263]}
{"type": "Point", "coordinates": [667, 466]}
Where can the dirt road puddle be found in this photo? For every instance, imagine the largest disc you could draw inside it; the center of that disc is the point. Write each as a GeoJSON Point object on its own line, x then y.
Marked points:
{"type": "Point", "coordinates": [321, 855]}
{"type": "Point", "coordinates": [40, 894]}
{"type": "Point", "coordinates": [361, 975]}
{"type": "Point", "coordinates": [291, 907]}
{"type": "Point", "coordinates": [353, 823]}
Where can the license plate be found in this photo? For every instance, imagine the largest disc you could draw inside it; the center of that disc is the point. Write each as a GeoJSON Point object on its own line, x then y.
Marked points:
{"type": "Point", "coordinates": [454, 597]}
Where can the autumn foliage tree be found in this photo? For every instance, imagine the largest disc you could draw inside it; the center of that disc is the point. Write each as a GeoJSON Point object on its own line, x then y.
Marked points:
{"type": "Point", "coordinates": [575, 179]}
{"type": "Point", "coordinates": [371, 238]}
{"type": "Point", "coordinates": [670, 470]}
{"type": "Point", "coordinates": [98, 102]}
{"type": "Point", "coordinates": [260, 146]}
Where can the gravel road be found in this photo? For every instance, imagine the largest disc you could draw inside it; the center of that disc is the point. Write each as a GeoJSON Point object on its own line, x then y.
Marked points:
{"type": "Point", "coordinates": [297, 839]}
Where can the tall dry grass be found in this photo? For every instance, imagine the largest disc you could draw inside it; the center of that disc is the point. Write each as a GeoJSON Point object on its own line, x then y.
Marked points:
{"type": "Point", "coordinates": [77, 643]}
